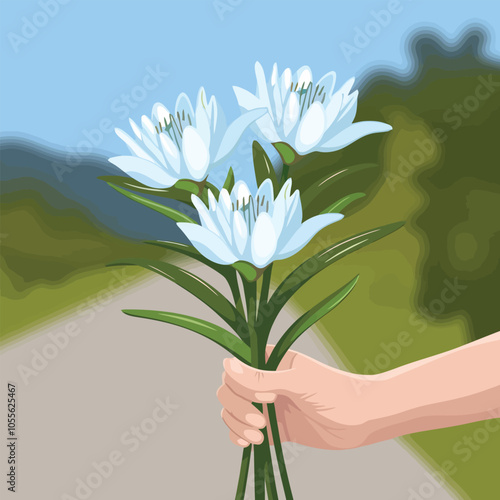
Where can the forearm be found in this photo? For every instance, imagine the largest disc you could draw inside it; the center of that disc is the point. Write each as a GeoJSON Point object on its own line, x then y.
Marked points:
{"type": "Point", "coordinates": [453, 388]}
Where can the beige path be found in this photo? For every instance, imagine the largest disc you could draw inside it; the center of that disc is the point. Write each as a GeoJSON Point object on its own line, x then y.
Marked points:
{"type": "Point", "coordinates": [118, 376]}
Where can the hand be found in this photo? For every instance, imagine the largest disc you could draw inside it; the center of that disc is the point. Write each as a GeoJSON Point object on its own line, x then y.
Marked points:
{"type": "Point", "coordinates": [323, 407]}
{"type": "Point", "coordinates": [316, 405]}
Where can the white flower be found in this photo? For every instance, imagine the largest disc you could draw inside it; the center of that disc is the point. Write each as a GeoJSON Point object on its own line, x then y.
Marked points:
{"type": "Point", "coordinates": [185, 144]}
{"type": "Point", "coordinates": [253, 228]}
{"type": "Point", "coordinates": [306, 116]}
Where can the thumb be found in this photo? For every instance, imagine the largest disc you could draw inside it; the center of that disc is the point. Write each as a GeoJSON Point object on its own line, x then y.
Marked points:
{"type": "Point", "coordinates": [259, 386]}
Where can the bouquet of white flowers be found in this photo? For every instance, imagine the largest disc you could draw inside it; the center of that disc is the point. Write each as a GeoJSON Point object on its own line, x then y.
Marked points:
{"type": "Point", "coordinates": [242, 231]}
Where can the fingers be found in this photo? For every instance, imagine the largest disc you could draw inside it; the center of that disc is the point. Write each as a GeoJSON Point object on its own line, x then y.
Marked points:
{"type": "Point", "coordinates": [241, 408]}
{"type": "Point", "coordinates": [237, 440]}
{"type": "Point", "coordinates": [244, 433]}
{"type": "Point", "coordinates": [259, 386]}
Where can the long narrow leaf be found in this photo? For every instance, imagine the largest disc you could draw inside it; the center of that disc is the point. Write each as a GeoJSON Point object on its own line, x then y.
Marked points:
{"type": "Point", "coordinates": [343, 203]}
{"type": "Point", "coordinates": [196, 286]}
{"type": "Point", "coordinates": [191, 252]}
{"type": "Point", "coordinates": [177, 192]}
{"type": "Point", "coordinates": [229, 182]}
{"type": "Point", "coordinates": [219, 335]}
{"type": "Point", "coordinates": [312, 266]}
{"type": "Point", "coordinates": [314, 191]}
{"type": "Point", "coordinates": [171, 213]}
{"type": "Point", "coordinates": [226, 271]}
{"type": "Point", "coordinates": [263, 167]}
{"type": "Point", "coordinates": [307, 320]}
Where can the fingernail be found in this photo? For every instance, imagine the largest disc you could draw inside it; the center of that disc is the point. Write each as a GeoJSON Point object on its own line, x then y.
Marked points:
{"type": "Point", "coordinates": [256, 420]}
{"type": "Point", "coordinates": [242, 442]}
{"type": "Point", "coordinates": [235, 366]}
{"type": "Point", "coordinates": [265, 397]}
{"type": "Point", "coordinates": [253, 436]}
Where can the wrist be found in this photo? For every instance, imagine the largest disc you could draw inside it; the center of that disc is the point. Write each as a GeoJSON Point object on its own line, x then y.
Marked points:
{"type": "Point", "coordinates": [390, 408]}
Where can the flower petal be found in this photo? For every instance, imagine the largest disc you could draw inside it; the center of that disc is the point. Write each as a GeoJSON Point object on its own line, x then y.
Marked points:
{"type": "Point", "coordinates": [235, 131]}
{"type": "Point", "coordinates": [303, 77]}
{"type": "Point", "coordinates": [208, 244]}
{"type": "Point", "coordinates": [265, 193]}
{"type": "Point", "coordinates": [262, 92]}
{"type": "Point", "coordinates": [286, 81]}
{"type": "Point", "coordinates": [291, 114]}
{"type": "Point", "coordinates": [202, 118]}
{"type": "Point", "coordinates": [306, 232]}
{"type": "Point", "coordinates": [171, 152]}
{"type": "Point", "coordinates": [134, 148]}
{"type": "Point", "coordinates": [311, 129]}
{"type": "Point", "coordinates": [326, 83]}
{"type": "Point", "coordinates": [225, 202]}
{"type": "Point", "coordinates": [240, 194]}
{"type": "Point", "coordinates": [205, 215]}
{"type": "Point", "coordinates": [144, 171]}
{"type": "Point", "coordinates": [246, 99]}
{"type": "Point", "coordinates": [136, 129]}
{"type": "Point", "coordinates": [240, 233]}
{"type": "Point", "coordinates": [183, 108]}
{"type": "Point", "coordinates": [353, 133]}
{"type": "Point", "coordinates": [195, 153]}
{"type": "Point", "coordinates": [160, 115]}
{"type": "Point", "coordinates": [263, 244]}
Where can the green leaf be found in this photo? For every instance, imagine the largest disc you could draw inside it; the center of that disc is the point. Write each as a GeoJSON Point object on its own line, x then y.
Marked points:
{"type": "Point", "coordinates": [263, 167]}
{"type": "Point", "coordinates": [171, 213]}
{"type": "Point", "coordinates": [313, 192]}
{"type": "Point", "coordinates": [229, 182]}
{"type": "Point", "coordinates": [128, 183]}
{"type": "Point", "coordinates": [190, 251]}
{"type": "Point", "coordinates": [312, 266]}
{"type": "Point", "coordinates": [341, 204]}
{"type": "Point", "coordinates": [219, 335]}
{"type": "Point", "coordinates": [307, 320]}
{"type": "Point", "coordinates": [249, 272]}
{"type": "Point", "coordinates": [228, 272]}
{"type": "Point", "coordinates": [287, 153]}
{"type": "Point", "coordinates": [189, 186]}
{"type": "Point", "coordinates": [196, 286]}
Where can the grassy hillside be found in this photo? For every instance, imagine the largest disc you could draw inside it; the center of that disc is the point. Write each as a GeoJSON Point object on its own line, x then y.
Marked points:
{"type": "Point", "coordinates": [54, 258]}
{"type": "Point", "coordinates": [437, 279]}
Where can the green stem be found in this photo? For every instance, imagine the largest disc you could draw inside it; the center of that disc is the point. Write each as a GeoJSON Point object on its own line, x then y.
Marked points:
{"type": "Point", "coordinates": [232, 280]}
{"type": "Point", "coordinates": [247, 452]}
{"type": "Point", "coordinates": [242, 480]}
{"type": "Point", "coordinates": [259, 472]}
{"type": "Point", "coordinates": [258, 355]}
{"type": "Point", "coordinates": [272, 492]}
{"type": "Point", "coordinates": [273, 421]}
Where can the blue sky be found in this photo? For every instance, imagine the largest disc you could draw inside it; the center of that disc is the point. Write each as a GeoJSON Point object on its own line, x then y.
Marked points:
{"type": "Point", "coordinates": [84, 65]}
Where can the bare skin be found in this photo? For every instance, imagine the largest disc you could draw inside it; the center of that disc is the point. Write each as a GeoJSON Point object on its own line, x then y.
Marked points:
{"type": "Point", "coordinates": [323, 407]}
